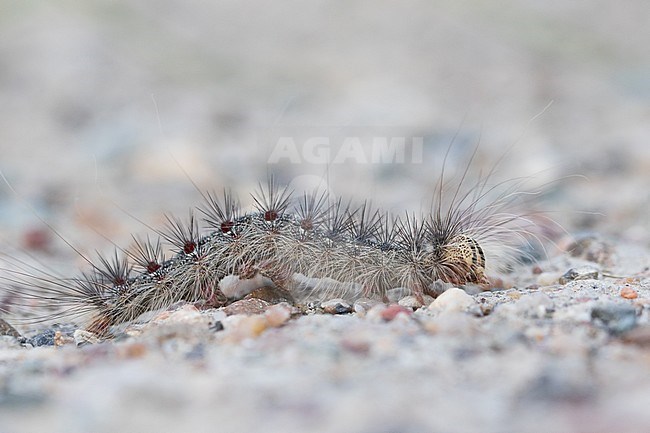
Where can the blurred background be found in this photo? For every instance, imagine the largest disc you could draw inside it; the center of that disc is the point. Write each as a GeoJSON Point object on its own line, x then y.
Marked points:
{"type": "Point", "coordinates": [108, 109]}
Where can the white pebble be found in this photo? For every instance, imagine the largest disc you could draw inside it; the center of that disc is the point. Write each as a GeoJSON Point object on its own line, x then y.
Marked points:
{"type": "Point", "coordinates": [410, 302]}
{"type": "Point", "coordinates": [453, 300]}
{"type": "Point", "coordinates": [548, 278]}
{"type": "Point", "coordinates": [82, 337]}
{"type": "Point", "coordinates": [363, 305]}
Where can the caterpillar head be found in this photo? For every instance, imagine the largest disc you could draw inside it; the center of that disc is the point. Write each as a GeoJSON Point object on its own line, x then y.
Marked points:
{"type": "Point", "coordinates": [464, 260]}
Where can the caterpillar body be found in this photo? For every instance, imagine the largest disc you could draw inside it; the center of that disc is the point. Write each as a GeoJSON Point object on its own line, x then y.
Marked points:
{"type": "Point", "coordinates": [311, 246]}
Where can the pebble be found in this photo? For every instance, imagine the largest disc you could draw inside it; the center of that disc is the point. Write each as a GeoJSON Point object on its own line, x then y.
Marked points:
{"type": "Point", "coordinates": [42, 339]}
{"type": "Point", "coordinates": [48, 337]}
{"type": "Point", "coordinates": [580, 273]}
{"type": "Point", "coordinates": [81, 337]}
{"type": "Point", "coordinates": [240, 327]}
{"type": "Point", "coordinates": [336, 306]}
{"type": "Point", "coordinates": [629, 293]}
{"type": "Point", "coordinates": [184, 313]}
{"type": "Point", "coordinates": [453, 300]}
{"type": "Point", "coordinates": [615, 317]}
{"type": "Point", "coordinates": [410, 302]}
{"type": "Point", "coordinates": [393, 311]}
{"type": "Point", "coordinates": [547, 278]}
{"type": "Point", "coordinates": [277, 315]}
{"type": "Point", "coordinates": [247, 307]}
{"type": "Point", "coordinates": [272, 295]}
{"type": "Point", "coordinates": [387, 313]}
{"type": "Point", "coordinates": [363, 305]}
{"type": "Point", "coordinates": [513, 294]}
{"type": "Point", "coordinates": [237, 327]}
{"type": "Point", "coordinates": [61, 339]}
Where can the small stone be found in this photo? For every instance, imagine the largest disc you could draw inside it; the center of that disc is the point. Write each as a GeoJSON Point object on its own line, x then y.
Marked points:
{"type": "Point", "coordinates": [81, 337]}
{"type": "Point", "coordinates": [184, 313]}
{"type": "Point", "coordinates": [547, 278]}
{"type": "Point", "coordinates": [410, 302]}
{"type": "Point", "coordinates": [392, 311]}
{"type": "Point", "coordinates": [246, 306]}
{"type": "Point", "coordinates": [453, 299]}
{"type": "Point", "coordinates": [272, 295]}
{"type": "Point", "coordinates": [363, 305]}
{"type": "Point", "coordinates": [45, 338]}
{"type": "Point", "coordinates": [277, 315]}
{"type": "Point", "coordinates": [616, 318]}
{"type": "Point", "coordinates": [629, 293]}
{"type": "Point", "coordinates": [581, 273]}
{"type": "Point", "coordinates": [61, 339]}
{"type": "Point", "coordinates": [336, 306]}
{"type": "Point", "coordinates": [240, 327]}
{"type": "Point", "coordinates": [513, 294]}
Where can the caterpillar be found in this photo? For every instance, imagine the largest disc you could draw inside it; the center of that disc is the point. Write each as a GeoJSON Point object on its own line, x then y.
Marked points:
{"type": "Point", "coordinates": [307, 245]}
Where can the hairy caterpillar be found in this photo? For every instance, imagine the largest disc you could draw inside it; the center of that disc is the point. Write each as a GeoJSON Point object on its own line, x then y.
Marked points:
{"type": "Point", "coordinates": [308, 245]}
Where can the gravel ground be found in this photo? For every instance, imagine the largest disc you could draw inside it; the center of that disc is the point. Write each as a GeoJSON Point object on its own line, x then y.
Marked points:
{"type": "Point", "coordinates": [108, 109]}
{"type": "Point", "coordinates": [549, 357]}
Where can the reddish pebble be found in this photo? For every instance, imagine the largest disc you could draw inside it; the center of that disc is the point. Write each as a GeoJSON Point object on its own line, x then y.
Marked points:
{"type": "Point", "coordinates": [537, 270]}
{"type": "Point", "coordinates": [629, 293]}
{"type": "Point", "coordinates": [393, 310]}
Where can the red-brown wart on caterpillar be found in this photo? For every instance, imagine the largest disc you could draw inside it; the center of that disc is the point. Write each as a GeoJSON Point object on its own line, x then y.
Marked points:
{"type": "Point", "coordinates": [311, 246]}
